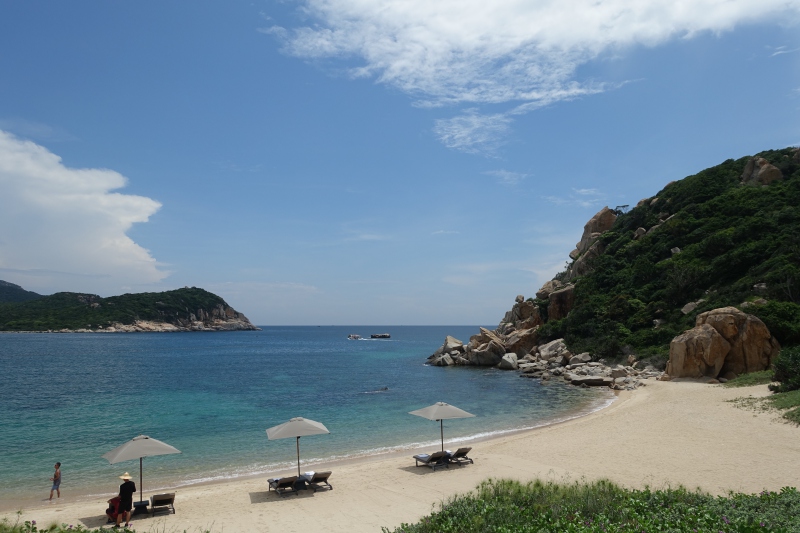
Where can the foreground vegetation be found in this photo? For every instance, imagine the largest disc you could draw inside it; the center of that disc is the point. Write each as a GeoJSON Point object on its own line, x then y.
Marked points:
{"type": "Point", "coordinates": [30, 526]}
{"type": "Point", "coordinates": [731, 237]}
{"type": "Point", "coordinates": [506, 506]}
{"type": "Point", "coordinates": [69, 310]}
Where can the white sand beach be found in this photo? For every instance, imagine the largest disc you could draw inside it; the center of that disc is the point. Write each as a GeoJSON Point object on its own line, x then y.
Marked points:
{"type": "Point", "coordinates": [665, 434]}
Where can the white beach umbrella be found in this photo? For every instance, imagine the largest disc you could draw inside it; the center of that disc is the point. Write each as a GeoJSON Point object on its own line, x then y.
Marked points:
{"type": "Point", "coordinates": [296, 427]}
{"type": "Point", "coordinates": [441, 411]}
{"type": "Point", "coordinates": [139, 448]}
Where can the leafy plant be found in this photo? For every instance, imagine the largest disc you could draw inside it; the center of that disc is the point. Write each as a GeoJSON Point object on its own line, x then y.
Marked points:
{"type": "Point", "coordinates": [601, 506]}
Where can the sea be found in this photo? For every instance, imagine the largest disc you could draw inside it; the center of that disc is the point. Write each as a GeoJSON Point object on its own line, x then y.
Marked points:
{"type": "Point", "coordinates": [71, 397]}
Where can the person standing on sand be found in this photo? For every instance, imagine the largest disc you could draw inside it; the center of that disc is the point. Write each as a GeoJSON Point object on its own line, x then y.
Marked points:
{"type": "Point", "coordinates": [126, 491]}
{"type": "Point", "coordinates": [56, 479]}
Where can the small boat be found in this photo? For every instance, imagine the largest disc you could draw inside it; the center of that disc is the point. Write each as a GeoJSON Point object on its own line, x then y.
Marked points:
{"type": "Point", "coordinates": [354, 337]}
{"type": "Point", "coordinates": [380, 336]}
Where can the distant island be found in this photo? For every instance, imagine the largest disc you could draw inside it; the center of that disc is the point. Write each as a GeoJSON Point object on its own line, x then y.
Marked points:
{"type": "Point", "coordinates": [187, 309]}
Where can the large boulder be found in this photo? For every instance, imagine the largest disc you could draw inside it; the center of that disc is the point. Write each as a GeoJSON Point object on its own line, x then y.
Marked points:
{"type": "Point", "coordinates": [488, 354]}
{"type": "Point", "coordinates": [759, 171]}
{"type": "Point", "coordinates": [600, 222]}
{"type": "Point", "coordinates": [442, 360]}
{"type": "Point", "coordinates": [485, 336]}
{"type": "Point", "coordinates": [561, 302]}
{"type": "Point", "coordinates": [547, 288]}
{"type": "Point", "coordinates": [553, 349]}
{"type": "Point", "coordinates": [508, 362]}
{"type": "Point", "coordinates": [451, 343]}
{"type": "Point", "coordinates": [583, 265]}
{"type": "Point", "coordinates": [522, 341]}
{"type": "Point", "coordinates": [698, 352]}
{"type": "Point", "coordinates": [753, 347]}
{"type": "Point", "coordinates": [592, 381]}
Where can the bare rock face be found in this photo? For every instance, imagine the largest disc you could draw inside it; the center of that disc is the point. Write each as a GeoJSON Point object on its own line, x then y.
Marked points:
{"type": "Point", "coordinates": [524, 315]}
{"type": "Point", "coordinates": [522, 341]}
{"type": "Point", "coordinates": [752, 345]}
{"type": "Point", "coordinates": [759, 171]}
{"type": "Point", "coordinates": [724, 342]}
{"type": "Point", "coordinates": [561, 303]}
{"type": "Point", "coordinates": [698, 352]}
{"type": "Point", "coordinates": [600, 222]}
{"type": "Point", "coordinates": [553, 349]}
{"type": "Point", "coordinates": [582, 265]}
{"type": "Point", "coordinates": [486, 354]}
{"type": "Point", "coordinates": [508, 362]}
{"type": "Point", "coordinates": [548, 288]}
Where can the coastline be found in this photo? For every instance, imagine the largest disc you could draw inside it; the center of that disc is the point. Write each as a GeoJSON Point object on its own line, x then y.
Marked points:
{"type": "Point", "coordinates": [363, 456]}
{"type": "Point", "coordinates": [666, 434]}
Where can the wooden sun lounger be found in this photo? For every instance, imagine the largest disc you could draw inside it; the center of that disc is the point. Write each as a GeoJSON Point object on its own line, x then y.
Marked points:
{"type": "Point", "coordinates": [434, 460]}
{"type": "Point", "coordinates": [164, 501]}
{"type": "Point", "coordinates": [283, 485]}
{"type": "Point", "coordinates": [460, 456]}
{"type": "Point", "coordinates": [319, 479]}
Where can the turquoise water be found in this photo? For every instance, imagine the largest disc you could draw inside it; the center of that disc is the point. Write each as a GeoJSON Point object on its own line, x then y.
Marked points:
{"type": "Point", "coordinates": [73, 397]}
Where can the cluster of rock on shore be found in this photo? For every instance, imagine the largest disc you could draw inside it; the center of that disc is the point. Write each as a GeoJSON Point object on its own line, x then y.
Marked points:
{"type": "Point", "coordinates": [550, 361]}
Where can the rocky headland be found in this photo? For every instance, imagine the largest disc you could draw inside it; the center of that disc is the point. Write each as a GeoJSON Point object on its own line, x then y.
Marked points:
{"type": "Point", "coordinates": [725, 340]}
{"type": "Point", "coordinates": [181, 310]}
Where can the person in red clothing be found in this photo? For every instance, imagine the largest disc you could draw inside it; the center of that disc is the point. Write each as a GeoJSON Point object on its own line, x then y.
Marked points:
{"type": "Point", "coordinates": [126, 491]}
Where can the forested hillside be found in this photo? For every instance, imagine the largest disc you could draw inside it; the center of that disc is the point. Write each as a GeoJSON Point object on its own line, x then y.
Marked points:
{"type": "Point", "coordinates": [727, 236]}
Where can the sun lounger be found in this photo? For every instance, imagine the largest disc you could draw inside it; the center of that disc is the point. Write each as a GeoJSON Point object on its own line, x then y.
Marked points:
{"type": "Point", "coordinates": [283, 485]}
{"type": "Point", "coordinates": [163, 501]}
{"type": "Point", "coordinates": [460, 456]}
{"type": "Point", "coordinates": [319, 479]}
{"type": "Point", "coordinates": [434, 460]}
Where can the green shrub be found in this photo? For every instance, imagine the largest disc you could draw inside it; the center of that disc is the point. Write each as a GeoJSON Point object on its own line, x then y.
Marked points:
{"type": "Point", "coordinates": [601, 506]}
{"type": "Point", "coordinates": [753, 378]}
{"type": "Point", "coordinates": [787, 370]}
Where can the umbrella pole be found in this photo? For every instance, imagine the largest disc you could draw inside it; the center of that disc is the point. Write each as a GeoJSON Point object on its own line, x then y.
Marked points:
{"type": "Point", "coordinates": [141, 489]}
{"type": "Point", "coordinates": [441, 429]}
{"type": "Point", "coordinates": [298, 456]}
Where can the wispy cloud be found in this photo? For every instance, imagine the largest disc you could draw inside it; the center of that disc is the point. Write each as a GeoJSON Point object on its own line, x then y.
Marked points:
{"type": "Point", "coordinates": [445, 232]}
{"type": "Point", "coordinates": [780, 50]}
{"type": "Point", "coordinates": [472, 52]}
{"type": "Point", "coordinates": [579, 197]}
{"type": "Point", "coordinates": [472, 132]}
{"type": "Point", "coordinates": [366, 237]}
{"type": "Point", "coordinates": [507, 177]}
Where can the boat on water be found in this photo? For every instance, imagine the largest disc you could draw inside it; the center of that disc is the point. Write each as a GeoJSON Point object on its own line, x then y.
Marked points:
{"type": "Point", "coordinates": [380, 336]}
{"type": "Point", "coordinates": [354, 337]}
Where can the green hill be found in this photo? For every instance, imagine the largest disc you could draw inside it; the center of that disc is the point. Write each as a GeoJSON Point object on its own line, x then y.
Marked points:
{"type": "Point", "coordinates": [10, 293]}
{"type": "Point", "coordinates": [71, 311]}
{"type": "Point", "coordinates": [738, 242]}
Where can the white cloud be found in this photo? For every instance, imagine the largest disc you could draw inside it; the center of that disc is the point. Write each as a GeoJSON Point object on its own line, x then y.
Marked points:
{"type": "Point", "coordinates": [507, 177]}
{"type": "Point", "coordinates": [476, 52]}
{"type": "Point", "coordinates": [472, 132]}
{"type": "Point", "coordinates": [445, 232]}
{"type": "Point", "coordinates": [579, 197]}
{"type": "Point", "coordinates": [64, 228]}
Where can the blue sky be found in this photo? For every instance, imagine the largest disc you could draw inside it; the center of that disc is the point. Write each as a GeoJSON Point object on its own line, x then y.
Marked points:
{"type": "Point", "coordinates": [363, 162]}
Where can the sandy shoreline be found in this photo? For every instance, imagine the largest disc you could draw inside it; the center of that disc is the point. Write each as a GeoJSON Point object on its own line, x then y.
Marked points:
{"type": "Point", "coordinates": [668, 433]}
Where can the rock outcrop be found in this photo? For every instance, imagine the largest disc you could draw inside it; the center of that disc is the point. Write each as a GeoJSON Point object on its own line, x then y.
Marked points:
{"type": "Point", "coordinates": [725, 342]}
{"type": "Point", "coordinates": [759, 171]}
{"type": "Point", "coordinates": [561, 302]}
{"type": "Point", "coordinates": [521, 352]}
{"type": "Point", "coordinates": [600, 222]}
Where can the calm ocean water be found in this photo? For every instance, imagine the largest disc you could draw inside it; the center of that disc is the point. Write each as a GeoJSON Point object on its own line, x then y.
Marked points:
{"type": "Point", "coordinates": [73, 397]}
